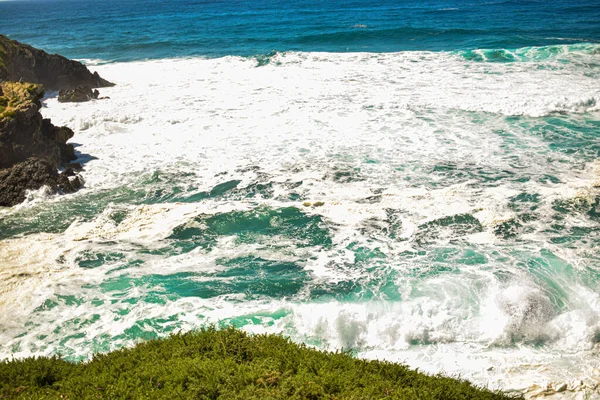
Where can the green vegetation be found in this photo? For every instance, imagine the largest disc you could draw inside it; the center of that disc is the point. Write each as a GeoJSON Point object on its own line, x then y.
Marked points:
{"type": "Point", "coordinates": [226, 364]}
{"type": "Point", "coordinates": [8, 113]}
{"type": "Point", "coordinates": [18, 96]}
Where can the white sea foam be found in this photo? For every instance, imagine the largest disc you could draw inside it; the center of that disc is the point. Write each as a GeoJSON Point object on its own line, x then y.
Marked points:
{"type": "Point", "coordinates": [365, 135]}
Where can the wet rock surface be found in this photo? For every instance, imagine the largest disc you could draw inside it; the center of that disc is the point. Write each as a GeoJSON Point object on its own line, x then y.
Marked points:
{"type": "Point", "coordinates": [32, 174]}
{"type": "Point", "coordinates": [78, 95]}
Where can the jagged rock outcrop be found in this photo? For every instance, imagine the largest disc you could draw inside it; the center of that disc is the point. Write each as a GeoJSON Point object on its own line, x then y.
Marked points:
{"type": "Point", "coordinates": [21, 62]}
{"type": "Point", "coordinates": [32, 174]}
{"type": "Point", "coordinates": [23, 131]}
{"type": "Point", "coordinates": [31, 148]}
{"type": "Point", "coordinates": [78, 95]}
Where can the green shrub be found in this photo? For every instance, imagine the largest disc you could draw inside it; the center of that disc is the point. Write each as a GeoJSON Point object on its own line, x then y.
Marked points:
{"type": "Point", "coordinates": [226, 364]}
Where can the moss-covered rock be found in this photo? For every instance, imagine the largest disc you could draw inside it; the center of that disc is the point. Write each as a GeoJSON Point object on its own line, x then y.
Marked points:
{"type": "Point", "coordinates": [23, 131]}
{"type": "Point", "coordinates": [31, 148]}
{"type": "Point", "coordinates": [19, 97]}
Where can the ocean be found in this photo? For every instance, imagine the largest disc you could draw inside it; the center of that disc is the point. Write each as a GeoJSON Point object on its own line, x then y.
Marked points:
{"type": "Point", "coordinates": [410, 181]}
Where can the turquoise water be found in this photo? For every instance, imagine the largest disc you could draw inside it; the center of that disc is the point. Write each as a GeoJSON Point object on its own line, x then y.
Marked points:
{"type": "Point", "coordinates": [410, 181]}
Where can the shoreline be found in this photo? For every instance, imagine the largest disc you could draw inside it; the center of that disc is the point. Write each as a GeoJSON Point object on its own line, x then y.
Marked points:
{"type": "Point", "coordinates": [518, 54]}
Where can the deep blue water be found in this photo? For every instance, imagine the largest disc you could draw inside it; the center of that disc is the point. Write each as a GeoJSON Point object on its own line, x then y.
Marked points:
{"type": "Point", "coordinates": [124, 30]}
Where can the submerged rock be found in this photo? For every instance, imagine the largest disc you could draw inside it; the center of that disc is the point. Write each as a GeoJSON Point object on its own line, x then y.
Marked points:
{"type": "Point", "coordinates": [21, 62]}
{"type": "Point", "coordinates": [448, 227]}
{"type": "Point", "coordinates": [78, 95]}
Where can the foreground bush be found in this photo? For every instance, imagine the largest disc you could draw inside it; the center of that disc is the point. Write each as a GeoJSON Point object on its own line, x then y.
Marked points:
{"type": "Point", "coordinates": [225, 364]}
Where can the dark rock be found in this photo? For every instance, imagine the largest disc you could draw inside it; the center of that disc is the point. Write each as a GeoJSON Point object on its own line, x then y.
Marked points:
{"type": "Point", "coordinates": [31, 174]}
{"type": "Point", "coordinates": [77, 182]}
{"type": "Point", "coordinates": [77, 95]}
{"type": "Point", "coordinates": [31, 148]}
{"type": "Point", "coordinates": [23, 63]}
{"type": "Point", "coordinates": [75, 166]}
{"type": "Point", "coordinates": [24, 133]}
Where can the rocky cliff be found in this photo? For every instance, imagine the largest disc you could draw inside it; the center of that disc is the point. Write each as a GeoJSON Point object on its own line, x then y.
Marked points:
{"type": "Point", "coordinates": [23, 131]}
{"type": "Point", "coordinates": [23, 63]}
{"type": "Point", "coordinates": [31, 148]}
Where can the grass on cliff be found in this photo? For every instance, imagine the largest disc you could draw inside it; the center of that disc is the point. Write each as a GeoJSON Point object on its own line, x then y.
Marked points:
{"type": "Point", "coordinates": [225, 364]}
{"type": "Point", "coordinates": [16, 96]}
